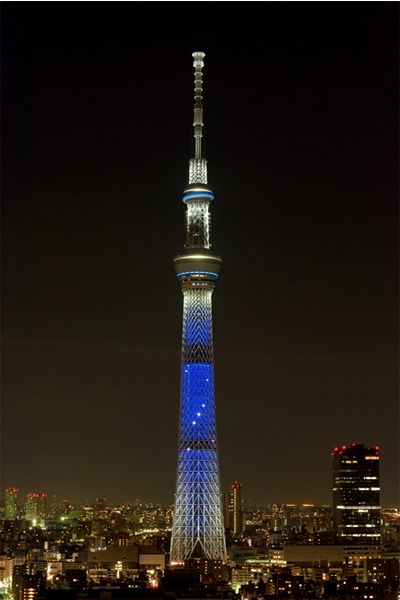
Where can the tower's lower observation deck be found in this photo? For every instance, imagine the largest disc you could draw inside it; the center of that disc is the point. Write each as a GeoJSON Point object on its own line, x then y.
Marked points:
{"type": "Point", "coordinates": [197, 270]}
{"type": "Point", "coordinates": [196, 192]}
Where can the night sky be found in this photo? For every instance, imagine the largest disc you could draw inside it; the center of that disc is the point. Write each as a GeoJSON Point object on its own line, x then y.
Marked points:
{"type": "Point", "coordinates": [301, 137]}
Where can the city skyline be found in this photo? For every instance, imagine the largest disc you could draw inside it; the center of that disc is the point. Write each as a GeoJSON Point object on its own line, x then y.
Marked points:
{"type": "Point", "coordinates": [301, 110]}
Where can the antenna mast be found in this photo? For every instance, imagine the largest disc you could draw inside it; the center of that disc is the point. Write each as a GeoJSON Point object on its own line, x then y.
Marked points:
{"type": "Point", "coordinates": [198, 165]}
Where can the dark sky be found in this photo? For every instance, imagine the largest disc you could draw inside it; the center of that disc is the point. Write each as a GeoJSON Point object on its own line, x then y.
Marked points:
{"type": "Point", "coordinates": [301, 135]}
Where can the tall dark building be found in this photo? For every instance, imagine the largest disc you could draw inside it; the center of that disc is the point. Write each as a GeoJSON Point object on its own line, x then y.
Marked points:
{"type": "Point", "coordinates": [234, 515]}
{"type": "Point", "coordinates": [356, 495]}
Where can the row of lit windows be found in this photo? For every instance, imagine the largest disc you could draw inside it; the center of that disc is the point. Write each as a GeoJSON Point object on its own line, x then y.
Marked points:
{"type": "Point", "coordinates": [363, 525]}
{"type": "Point", "coordinates": [362, 534]}
{"type": "Point", "coordinates": [359, 508]}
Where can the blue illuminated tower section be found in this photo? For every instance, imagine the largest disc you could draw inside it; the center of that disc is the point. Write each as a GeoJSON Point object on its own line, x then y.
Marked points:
{"type": "Point", "coordinates": [198, 525]}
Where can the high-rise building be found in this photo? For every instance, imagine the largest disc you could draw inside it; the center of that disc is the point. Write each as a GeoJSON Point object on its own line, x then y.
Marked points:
{"type": "Point", "coordinates": [35, 507]}
{"type": "Point", "coordinates": [237, 508]}
{"type": "Point", "coordinates": [31, 508]}
{"type": "Point", "coordinates": [234, 514]}
{"type": "Point", "coordinates": [356, 495]}
{"type": "Point", "coordinates": [198, 528]}
{"type": "Point", "coordinates": [11, 506]}
{"type": "Point", "coordinates": [101, 504]}
{"type": "Point", "coordinates": [41, 505]}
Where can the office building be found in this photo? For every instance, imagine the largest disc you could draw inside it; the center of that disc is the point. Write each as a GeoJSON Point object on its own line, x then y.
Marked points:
{"type": "Point", "coordinates": [356, 495]}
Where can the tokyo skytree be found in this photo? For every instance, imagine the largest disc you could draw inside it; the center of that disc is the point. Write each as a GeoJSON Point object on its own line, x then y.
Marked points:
{"type": "Point", "coordinates": [198, 525]}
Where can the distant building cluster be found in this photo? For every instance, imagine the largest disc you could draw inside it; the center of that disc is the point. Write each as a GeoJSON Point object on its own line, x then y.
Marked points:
{"type": "Point", "coordinates": [347, 551]}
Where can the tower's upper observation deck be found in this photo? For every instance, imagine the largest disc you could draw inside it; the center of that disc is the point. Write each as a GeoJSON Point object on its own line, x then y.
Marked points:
{"type": "Point", "coordinates": [197, 195]}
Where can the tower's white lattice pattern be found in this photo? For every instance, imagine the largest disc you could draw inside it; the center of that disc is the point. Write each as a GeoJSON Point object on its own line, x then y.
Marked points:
{"type": "Point", "coordinates": [198, 527]}
{"type": "Point", "coordinates": [198, 225]}
{"type": "Point", "coordinates": [198, 170]}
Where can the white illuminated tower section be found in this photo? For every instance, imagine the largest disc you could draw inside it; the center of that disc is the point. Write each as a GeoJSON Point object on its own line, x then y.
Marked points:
{"type": "Point", "coordinates": [198, 525]}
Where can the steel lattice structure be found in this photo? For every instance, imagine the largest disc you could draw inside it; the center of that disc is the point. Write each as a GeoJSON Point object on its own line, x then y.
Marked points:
{"type": "Point", "coordinates": [198, 525]}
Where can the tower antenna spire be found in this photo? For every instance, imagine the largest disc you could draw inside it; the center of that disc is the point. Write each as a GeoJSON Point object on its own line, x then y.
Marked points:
{"type": "Point", "coordinates": [198, 165]}
{"type": "Point", "coordinates": [198, 63]}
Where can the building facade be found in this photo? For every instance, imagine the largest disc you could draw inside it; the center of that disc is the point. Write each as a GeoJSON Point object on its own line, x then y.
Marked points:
{"type": "Point", "coordinates": [356, 495]}
{"type": "Point", "coordinates": [198, 528]}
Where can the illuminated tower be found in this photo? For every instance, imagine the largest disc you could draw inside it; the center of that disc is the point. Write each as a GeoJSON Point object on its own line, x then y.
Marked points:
{"type": "Point", "coordinates": [356, 495]}
{"type": "Point", "coordinates": [198, 526]}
